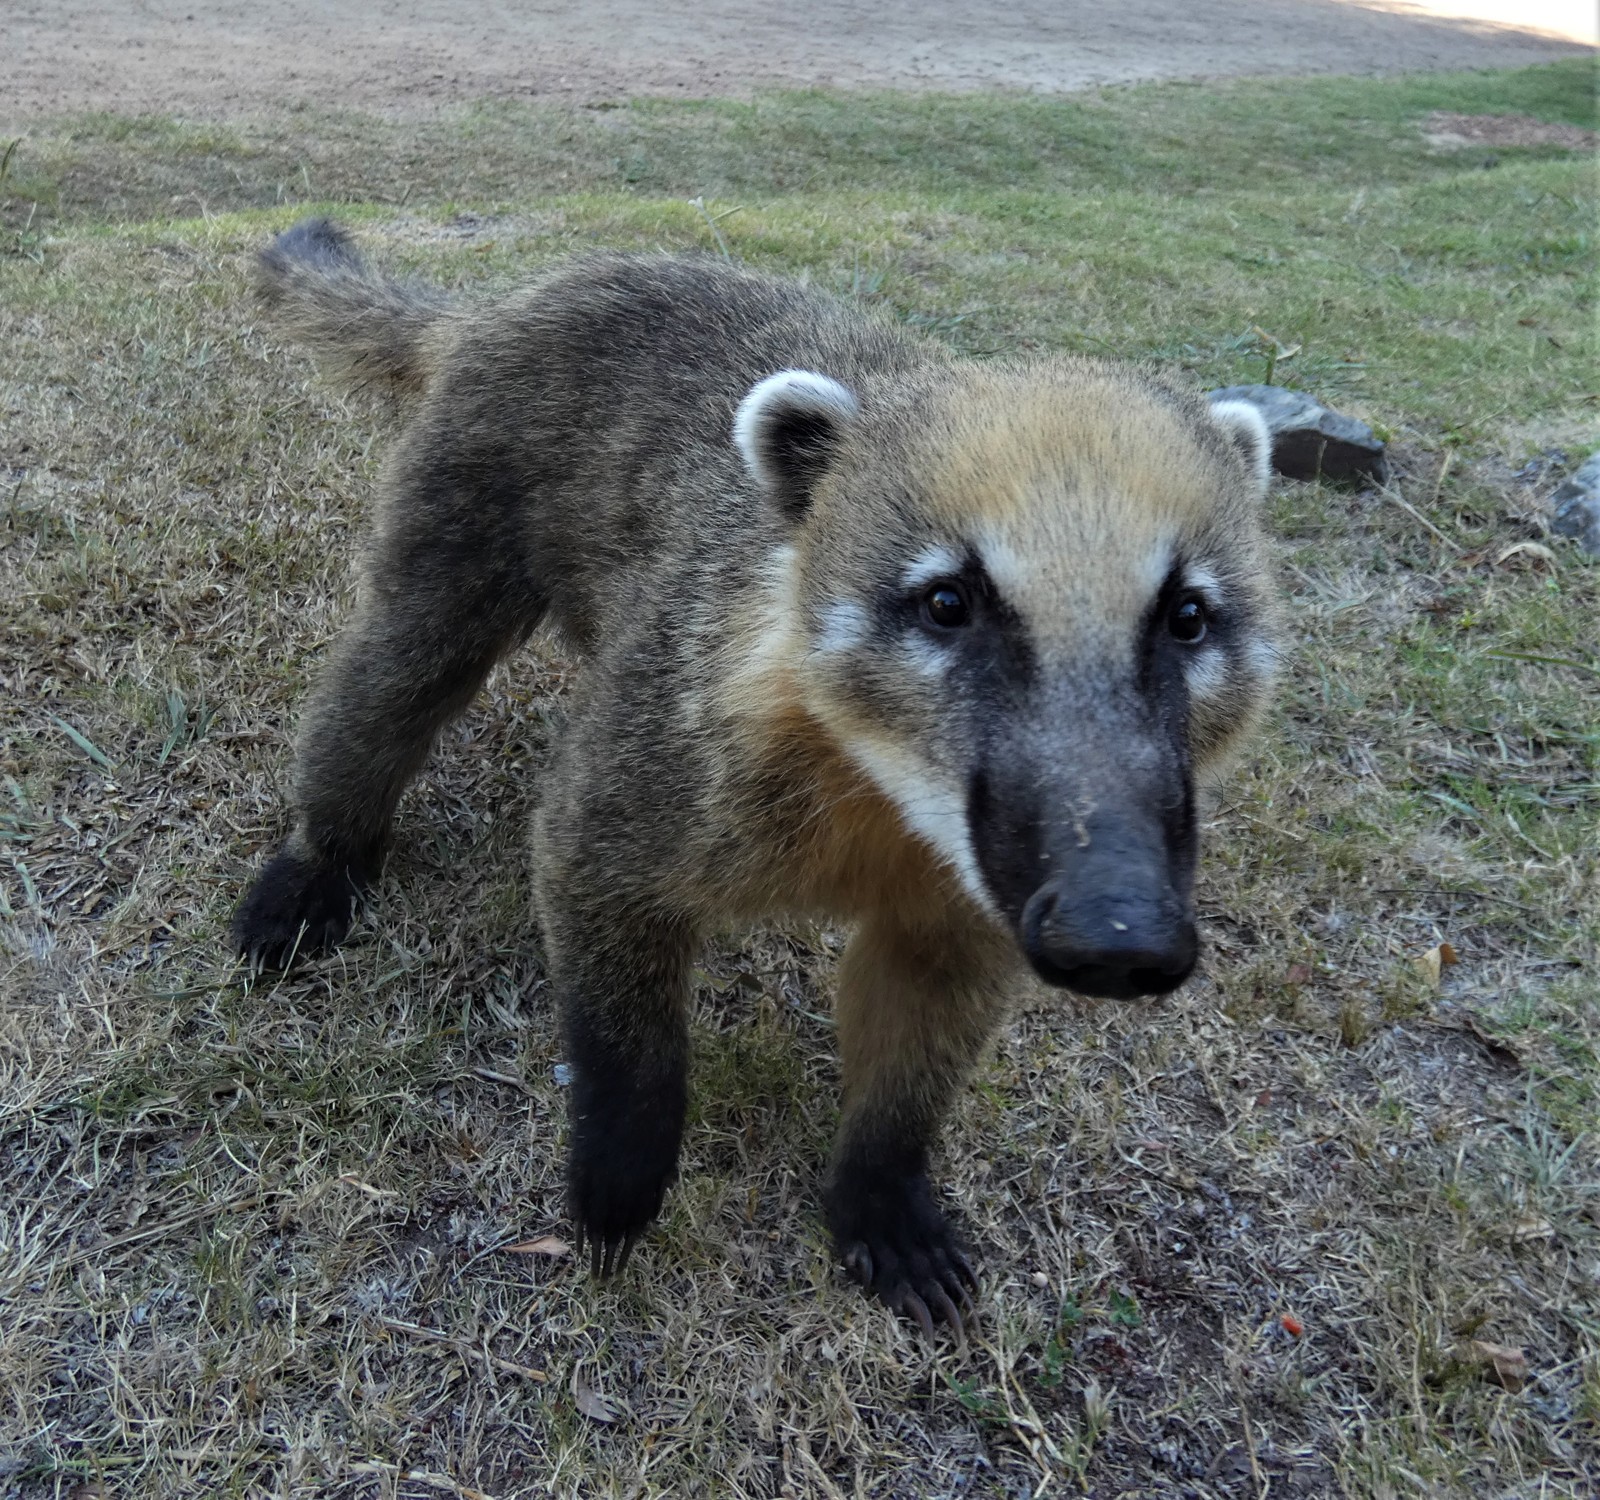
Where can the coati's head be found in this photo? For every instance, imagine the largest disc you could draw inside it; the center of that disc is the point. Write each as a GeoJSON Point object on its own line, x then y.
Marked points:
{"type": "Point", "coordinates": [1032, 603]}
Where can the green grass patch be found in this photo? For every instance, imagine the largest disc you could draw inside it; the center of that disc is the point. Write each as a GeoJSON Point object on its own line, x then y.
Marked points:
{"type": "Point", "coordinates": [1164, 140]}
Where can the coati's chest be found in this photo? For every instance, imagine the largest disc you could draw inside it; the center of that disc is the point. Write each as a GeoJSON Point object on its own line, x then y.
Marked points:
{"type": "Point", "coordinates": [808, 833]}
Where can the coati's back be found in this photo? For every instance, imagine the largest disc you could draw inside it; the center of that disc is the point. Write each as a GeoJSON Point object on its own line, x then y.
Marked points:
{"type": "Point", "coordinates": [593, 406]}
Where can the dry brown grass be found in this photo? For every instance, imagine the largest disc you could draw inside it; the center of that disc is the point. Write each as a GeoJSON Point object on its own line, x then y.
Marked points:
{"type": "Point", "coordinates": [255, 1240]}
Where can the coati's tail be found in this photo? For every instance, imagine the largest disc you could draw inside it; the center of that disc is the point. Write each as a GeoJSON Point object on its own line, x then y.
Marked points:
{"type": "Point", "coordinates": [363, 328]}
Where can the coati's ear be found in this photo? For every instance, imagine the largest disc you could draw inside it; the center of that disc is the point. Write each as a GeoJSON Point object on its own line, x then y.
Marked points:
{"type": "Point", "coordinates": [788, 429]}
{"type": "Point", "coordinates": [1246, 429]}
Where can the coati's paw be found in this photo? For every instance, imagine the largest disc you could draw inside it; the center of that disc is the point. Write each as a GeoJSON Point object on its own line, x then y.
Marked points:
{"type": "Point", "coordinates": [623, 1158]}
{"type": "Point", "coordinates": [894, 1241]}
{"type": "Point", "coordinates": [294, 908]}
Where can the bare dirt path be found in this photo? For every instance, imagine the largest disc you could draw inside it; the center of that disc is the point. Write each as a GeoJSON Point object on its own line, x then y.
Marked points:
{"type": "Point", "coordinates": [246, 56]}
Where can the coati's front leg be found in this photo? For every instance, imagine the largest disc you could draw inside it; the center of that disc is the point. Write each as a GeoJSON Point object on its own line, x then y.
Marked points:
{"type": "Point", "coordinates": [623, 990]}
{"type": "Point", "coordinates": [915, 1009]}
{"type": "Point", "coordinates": [619, 958]}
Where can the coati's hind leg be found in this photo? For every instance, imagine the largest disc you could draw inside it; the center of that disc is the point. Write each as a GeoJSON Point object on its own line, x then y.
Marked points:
{"type": "Point", "coordinates": [914, 1012]}
{"type": "Point", "coordinates": [441, 609]}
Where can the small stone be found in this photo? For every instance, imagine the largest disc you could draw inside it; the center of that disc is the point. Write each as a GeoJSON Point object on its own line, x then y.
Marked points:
{"type": "Point", "coordinates": [1310, 439]}
{"type": "Point", "coordinates": [1577, 506]}
{"type": "Point", "coordinates": [1040, 1279]}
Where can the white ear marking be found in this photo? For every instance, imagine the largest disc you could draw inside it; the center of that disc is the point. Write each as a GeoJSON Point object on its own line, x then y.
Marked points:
{"type": "Point", "coordinates": [789, 393]}
{"type": "Point", "coordinates": [1247, 428]}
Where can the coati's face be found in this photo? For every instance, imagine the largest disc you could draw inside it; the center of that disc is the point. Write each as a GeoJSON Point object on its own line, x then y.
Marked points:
{"type": "Point", "coordinates": [1032, 606]}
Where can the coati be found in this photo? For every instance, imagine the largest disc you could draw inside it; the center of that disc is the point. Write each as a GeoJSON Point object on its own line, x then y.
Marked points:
{"type": "Point", "coordinates": [874, 633]}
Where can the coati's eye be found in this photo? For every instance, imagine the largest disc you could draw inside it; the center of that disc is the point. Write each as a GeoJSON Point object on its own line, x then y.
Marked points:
{"type": "Point", "coordinates": [1188, 620]}
{"type": "Point", "coordinates": [946, 604]}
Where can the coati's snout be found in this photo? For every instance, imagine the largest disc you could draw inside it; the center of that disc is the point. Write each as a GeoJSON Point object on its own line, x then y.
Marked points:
{"type": "Point", "coordinates": [1112, 929]}
{"type": "Point", "coordinates": [1100, 901]}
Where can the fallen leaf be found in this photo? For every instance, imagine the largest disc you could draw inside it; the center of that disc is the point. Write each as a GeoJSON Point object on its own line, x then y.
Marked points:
{"type": "Point", "coordinates": [591, 1403]}
{"type": "Point", "coordinates": [1536, 551]}
{"type": "Point", "coordinates": [546, 1244]}
{"type": "Point", "coordinates": [1435, 961]}
{"type": "Point", "coordinates": [1508, 1365]}
{"type": "Point", "coordinates": [1532, 1227]}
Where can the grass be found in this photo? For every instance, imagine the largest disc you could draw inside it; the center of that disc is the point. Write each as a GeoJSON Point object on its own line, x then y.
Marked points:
{"type": "Point", "coordinates": [255, 1239]}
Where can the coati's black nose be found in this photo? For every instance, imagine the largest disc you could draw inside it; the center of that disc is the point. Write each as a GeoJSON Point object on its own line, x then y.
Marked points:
{"type": "Point", "coordinates": [1109, 939]}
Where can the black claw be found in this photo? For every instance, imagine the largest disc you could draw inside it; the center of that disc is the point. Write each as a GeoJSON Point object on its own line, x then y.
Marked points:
{"type": "Point", "coordinates": [947, 1310]}
{"type": "Point", "coordinates": [621, 1160]}
{"type": "Point", "coordinates": [969, 1308]}
{"type": "Point", "coordinates": [953, 1282]}
{"type": "Point", "coordinates": [918, 1309]}
{"type": "Point", "coordinates": [607, 1254]}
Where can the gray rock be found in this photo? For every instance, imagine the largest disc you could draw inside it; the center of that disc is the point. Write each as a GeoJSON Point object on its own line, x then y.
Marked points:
{"type": "Point", "coordinates": [1577, 506]}
{"type": "Point", "coordinates": [1309, 438]}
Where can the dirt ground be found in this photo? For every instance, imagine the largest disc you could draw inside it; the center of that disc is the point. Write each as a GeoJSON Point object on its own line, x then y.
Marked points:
{"type": "Point", "coordinates": [245, 56]}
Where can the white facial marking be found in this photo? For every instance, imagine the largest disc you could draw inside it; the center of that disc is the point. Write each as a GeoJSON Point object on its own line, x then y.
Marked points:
{"type": "Point", "coordinates": [929, 657]}
{"type": "Point", "coordinates": [1157, 565]}
{"type": "Point", "coordinates": [777, 568]}
{"type": "Point", "coordinates": [1263, 657]}
{"type": "Point", "coordinates": [934, 813]}
{"type": "Point", "coordinates": [938, 561]}
{"type": "Point", "coordinates": [1206, 673]}
{"type": "Point", "coordinates": [787, 391]}
{"type": "Point", "coordinates": [773, 641]}
{"type": "Point", "coordinates": [844, 627]}
{"type": "Point", "coordinates": [1204, 581]}
{"type": "Point", "coordinates": [1002, 562]}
